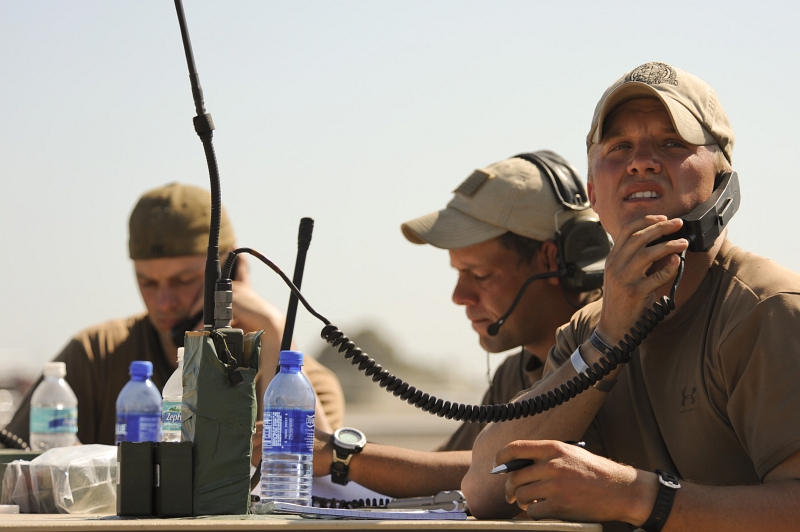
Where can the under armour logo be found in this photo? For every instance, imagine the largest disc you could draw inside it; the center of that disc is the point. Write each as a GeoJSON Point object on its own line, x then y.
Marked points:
{"type": "Point", "coordinates": [688, 397]}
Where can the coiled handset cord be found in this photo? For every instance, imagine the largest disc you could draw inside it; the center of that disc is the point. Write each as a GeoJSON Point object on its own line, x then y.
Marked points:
{"type": "Point", "coordinates": [619, 354]}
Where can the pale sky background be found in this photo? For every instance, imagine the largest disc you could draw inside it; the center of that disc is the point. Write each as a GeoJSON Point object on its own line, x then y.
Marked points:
{"type": "Point", "coordinates": [361, 115]}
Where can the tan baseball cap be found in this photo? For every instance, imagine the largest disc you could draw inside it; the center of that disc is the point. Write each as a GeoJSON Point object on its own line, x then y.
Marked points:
{"type": "Point", "coordinates": [509, 195]}
{"type": "Point", "coordinates": [173, 221]}
{"type": "Point", "coordinates": [693, 107]}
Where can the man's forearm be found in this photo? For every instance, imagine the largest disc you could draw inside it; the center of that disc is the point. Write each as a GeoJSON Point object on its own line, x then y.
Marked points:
{"type": "Point", "coordinates": [567, 421]}
{"type": "Point", "coordinates": [399, 472]}
{"type": "Point", "coordinates": [771, 506]}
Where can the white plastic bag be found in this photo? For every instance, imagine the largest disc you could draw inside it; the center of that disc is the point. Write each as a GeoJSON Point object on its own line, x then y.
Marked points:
{"type": "Point", "coordinates": [17, 486]}
{"type": "Point", "coordinates": [75, 480]}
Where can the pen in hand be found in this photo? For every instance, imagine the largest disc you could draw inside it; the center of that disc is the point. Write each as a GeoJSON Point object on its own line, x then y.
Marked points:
{"type": "Point", "coordinates": [519, 463]}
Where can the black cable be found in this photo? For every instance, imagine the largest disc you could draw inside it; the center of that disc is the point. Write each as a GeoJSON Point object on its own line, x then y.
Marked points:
{"type": "Point", "coordinates": [226, 274]}
{"type": "Point", "coordinates": [619, 354]}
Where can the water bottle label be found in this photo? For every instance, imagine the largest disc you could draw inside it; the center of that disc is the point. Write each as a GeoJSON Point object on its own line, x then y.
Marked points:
{"type": "Point", "coordinates": [138, 427]}
{"type": "Point", "coordinates": [171, 416]}
{"type": "Point", "coordinates": [289, 431]}
{"type": "Point", "coordinates": [54, 420]}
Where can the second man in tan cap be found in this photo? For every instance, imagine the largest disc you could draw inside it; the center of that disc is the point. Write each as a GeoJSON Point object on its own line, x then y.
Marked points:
{"type": "Point", "coordinates": [507, 222]}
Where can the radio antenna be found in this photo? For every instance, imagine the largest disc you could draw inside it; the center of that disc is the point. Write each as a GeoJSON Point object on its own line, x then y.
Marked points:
{"type": "Point", "coordinates": [204, 126]}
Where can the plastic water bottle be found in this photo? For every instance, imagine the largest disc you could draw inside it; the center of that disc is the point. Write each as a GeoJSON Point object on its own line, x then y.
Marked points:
{"type": "Point", "coordinates": [139, 406]}
{"type": "Point", "coordinates": [54, 410]}
{"type": "Point", "coordinates": [287, 463]}
{"type": "Point", "coordinates": [171, 404]}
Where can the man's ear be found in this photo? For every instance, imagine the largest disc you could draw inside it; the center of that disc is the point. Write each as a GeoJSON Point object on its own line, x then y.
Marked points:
{"type": "Point", "coordinates": [590, 190]}
{"type": "Point", "coordinates": [548, 260]}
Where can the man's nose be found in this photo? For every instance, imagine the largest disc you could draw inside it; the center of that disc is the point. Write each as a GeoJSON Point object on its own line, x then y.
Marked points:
{"type": "Point", "coordinates": [644, 160]}
{"type": "Point", "coordinates": [165, 297]}
{"type": "Point", "coordinates": [463, 294]}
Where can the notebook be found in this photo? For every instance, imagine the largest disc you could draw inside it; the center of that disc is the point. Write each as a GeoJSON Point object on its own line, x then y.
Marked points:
{"type": "Point", "coordinates": [338, 513]}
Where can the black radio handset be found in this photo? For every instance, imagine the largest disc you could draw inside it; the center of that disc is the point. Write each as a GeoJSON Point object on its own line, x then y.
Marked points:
{"type": "Point", "coordinates": [705, 223]}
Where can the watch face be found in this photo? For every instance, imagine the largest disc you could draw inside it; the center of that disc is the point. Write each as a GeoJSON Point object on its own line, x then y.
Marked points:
{"type": "Point", "coordinates": [349, 437]}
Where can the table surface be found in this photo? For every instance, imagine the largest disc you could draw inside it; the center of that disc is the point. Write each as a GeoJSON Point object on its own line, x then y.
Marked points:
{"type": "Point", "coordinates": [72, 523]}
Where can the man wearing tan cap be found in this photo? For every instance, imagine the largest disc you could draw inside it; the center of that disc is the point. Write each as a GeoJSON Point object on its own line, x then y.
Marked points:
{"type": "Point", "coordinates": [701, 431]}
{"type": "Point", "coordinates": [512, 220]}
{"type": "Point", "coordinates": [168, 241]}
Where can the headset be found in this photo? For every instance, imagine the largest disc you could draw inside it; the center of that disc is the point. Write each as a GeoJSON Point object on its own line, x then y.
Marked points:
{"type": "Point", "coordinates": [582, 243]}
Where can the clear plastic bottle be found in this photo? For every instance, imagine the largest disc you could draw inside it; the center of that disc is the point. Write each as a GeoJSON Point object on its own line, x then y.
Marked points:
{"type": "Point", "coordinates": [288, 452]}
{"type": "Point", "coordinates": [139, 406]}
{"type": "Point", "coordinates": [171, 404]}
{"type": "Point", "coordinates": [54, 410]}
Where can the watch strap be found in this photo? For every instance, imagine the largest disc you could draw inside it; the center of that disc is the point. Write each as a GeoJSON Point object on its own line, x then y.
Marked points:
{"type": "Point", "coordinates": [340, 466]}
{"type": "Point", "coordinates": [668, 484]}
{"type": "Point", "coordinates": [604, 385]}
{"type": "Point", "coordinates": [339, 472]}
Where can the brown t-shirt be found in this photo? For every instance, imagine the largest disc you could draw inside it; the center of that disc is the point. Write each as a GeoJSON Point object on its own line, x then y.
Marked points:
{"type": "Point", "coordinates": [711, 394]}
{"type": "Point", "coordinates": [98, 361]}
{"type": "Point", "coordinates": [516, 373]}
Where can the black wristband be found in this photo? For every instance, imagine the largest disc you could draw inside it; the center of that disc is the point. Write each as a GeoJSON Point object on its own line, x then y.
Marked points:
{"type": "Point", "coordinates": [668, 484]}
{"type": "Point", "coordinates": [599, 344]}
{"type": "Point", "coordinates": [604, 385]}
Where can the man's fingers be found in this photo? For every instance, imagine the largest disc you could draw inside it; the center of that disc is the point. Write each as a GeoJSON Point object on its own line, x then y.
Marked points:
{"type": "Point", "coordinates": [524, 479]}
{"type": "Point", "coordinates": [528, 494]}
{"type": "Point", "coordinates": [528, 449]}
{"type": "Point", "coordinates": [636, 225]}
{"type": "Point", "coordinates": [632, 245]}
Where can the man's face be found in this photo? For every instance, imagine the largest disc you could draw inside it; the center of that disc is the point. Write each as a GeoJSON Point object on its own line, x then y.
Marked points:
{"type": "Point", "coordinates": [642, 166]}
{"type": "Point", "coordinates": [489, 276]}
{"type": "Point", "coordinates": [172, 288]}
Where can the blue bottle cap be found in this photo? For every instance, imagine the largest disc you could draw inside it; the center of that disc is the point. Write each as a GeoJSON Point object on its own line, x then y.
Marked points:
{"type": "Point", "coordinates": [291, 358]}
{"type": "Point", "coordinates": [141, 368]}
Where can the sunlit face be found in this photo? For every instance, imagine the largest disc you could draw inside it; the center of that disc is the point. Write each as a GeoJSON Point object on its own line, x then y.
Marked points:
{"type": "Point", "coordinates": [172, 288]}
{"type": "Point", "coordinates": [489, 276]}
{"type": "Point", "coordinates": [642, 166]}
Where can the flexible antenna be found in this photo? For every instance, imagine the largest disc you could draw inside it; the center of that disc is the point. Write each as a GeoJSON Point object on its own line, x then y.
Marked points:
{"type": "Point", "coordinates": [204, 126]}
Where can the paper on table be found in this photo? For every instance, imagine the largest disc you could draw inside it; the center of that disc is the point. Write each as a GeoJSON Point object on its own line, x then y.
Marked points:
{"type": "Point", "coordinates": [324, 487]}
{"type": "Point", "coordinates": [337, 513]}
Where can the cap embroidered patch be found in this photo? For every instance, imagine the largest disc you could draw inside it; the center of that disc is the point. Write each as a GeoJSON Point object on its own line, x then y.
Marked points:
{"type": "Point", "coordinates": [652, 74]}
{"type": "Point", "coordinates": [471, 185]}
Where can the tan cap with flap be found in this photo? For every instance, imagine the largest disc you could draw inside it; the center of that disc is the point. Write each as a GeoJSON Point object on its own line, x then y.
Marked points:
{"type": "Point", "coordinates": [509, 195]}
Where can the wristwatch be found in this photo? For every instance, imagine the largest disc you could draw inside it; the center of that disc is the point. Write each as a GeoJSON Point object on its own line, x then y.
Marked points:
{"type": "Point", "coordinates": [668, 484]}
{"type": "Point", "coordinates": [346, 442]}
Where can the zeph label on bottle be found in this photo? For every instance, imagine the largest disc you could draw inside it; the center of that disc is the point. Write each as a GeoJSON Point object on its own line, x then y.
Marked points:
{"type": "Point", "coordinates": [171, 416]}
{"type": "Point", "coordinates": [289, 431]}
{"type": "Point", "coordinates": [54, 420]}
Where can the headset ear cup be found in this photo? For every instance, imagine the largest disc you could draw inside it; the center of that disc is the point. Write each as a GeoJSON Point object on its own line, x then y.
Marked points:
{"type": "Point", "coordinates": [585, 246]}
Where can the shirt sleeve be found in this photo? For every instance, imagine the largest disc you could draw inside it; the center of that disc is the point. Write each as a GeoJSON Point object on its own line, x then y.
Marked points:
{"type": "Point", "coordinates": [760, 364]}
{"type": "Point", "coordinates": [570, 335]}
